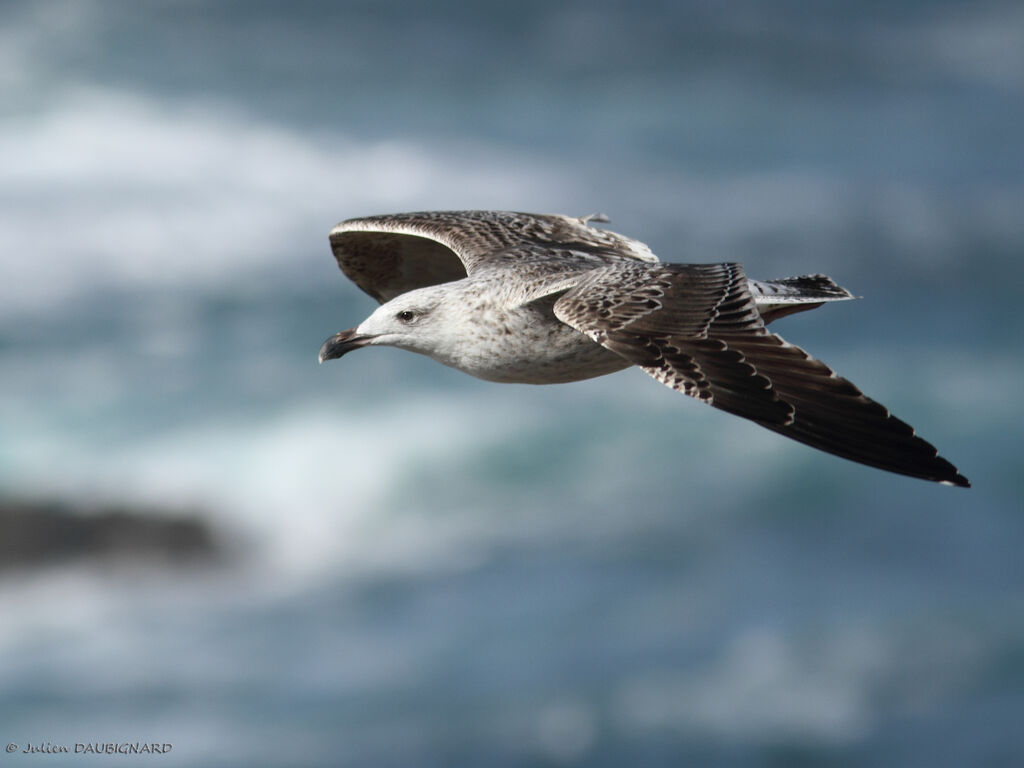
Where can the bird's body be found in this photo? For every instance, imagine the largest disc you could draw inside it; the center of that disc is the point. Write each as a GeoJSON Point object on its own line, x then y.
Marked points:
{"type": "Point", "coordinates": [509, 342]}
{"type": "Point", "coordinates": [544, 299]}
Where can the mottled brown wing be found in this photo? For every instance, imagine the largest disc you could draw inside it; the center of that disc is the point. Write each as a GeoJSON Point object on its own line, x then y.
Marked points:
{"type": "Point", "coordinates": [696, 329]}
{"type": "Point", "coordinates": [389, 255]}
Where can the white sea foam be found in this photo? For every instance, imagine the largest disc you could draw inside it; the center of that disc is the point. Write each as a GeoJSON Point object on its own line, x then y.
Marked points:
{"type": "Point", "coordinates": [313, 486]}
{"type": "Point", "coordinates": [113, 188]}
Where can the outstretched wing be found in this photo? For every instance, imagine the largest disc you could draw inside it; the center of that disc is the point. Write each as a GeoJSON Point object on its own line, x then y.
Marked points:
{"type": "Point", "coordinates": [696, 328]}
{"type": "Point", "coordinates": [389, 255]}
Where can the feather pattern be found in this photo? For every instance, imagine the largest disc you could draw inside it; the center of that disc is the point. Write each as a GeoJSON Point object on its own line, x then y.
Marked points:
{"type": "Point", "coordinates": [697, 329]}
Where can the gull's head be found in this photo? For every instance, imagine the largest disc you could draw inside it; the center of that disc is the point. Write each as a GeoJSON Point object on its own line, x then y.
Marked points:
{"type": "Point", "coordinates": [416, 321]}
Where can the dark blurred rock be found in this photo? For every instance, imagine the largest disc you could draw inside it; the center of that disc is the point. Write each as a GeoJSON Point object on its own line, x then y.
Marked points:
{"type": "Point", "coordinates": [39, 533]}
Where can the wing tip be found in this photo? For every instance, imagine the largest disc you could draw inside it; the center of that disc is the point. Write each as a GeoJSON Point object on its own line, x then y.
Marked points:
{"type": "Point", "coordinates": [946, 473]}
{"type": "Point", "coordinates": [958, 481]}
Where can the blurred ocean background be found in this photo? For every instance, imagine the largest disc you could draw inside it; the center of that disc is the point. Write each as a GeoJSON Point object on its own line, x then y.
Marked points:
{"type": "Point", "coordinates": [422, 569]}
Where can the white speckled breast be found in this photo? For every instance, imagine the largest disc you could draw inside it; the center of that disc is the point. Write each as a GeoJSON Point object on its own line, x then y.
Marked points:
{"type": "Point", "coordinates": [529, 345]}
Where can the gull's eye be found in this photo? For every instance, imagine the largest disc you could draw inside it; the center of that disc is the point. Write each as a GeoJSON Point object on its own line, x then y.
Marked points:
{"type": "Point", "coordinates": [406, 315]}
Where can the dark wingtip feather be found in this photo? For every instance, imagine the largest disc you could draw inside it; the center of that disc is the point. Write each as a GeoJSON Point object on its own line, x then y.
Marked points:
{"type": "Point", "coordinates": [958, 481]}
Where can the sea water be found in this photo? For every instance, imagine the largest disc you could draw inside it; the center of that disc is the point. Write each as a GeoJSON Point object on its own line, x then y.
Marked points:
{"type": "Point", "coordinates": [429, 570]}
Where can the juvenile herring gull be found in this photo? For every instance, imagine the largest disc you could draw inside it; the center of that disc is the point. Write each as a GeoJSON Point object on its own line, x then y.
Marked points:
{"type": "Point", "coordinates": [543, 299]}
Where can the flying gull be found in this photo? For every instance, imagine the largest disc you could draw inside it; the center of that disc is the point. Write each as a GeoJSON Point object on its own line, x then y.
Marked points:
{"type": "Point", "coordinates": [544, 299]}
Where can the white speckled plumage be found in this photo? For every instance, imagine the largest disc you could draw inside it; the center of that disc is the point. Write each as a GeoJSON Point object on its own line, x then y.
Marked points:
{"type": "Point", "coordinates": [541, 298]}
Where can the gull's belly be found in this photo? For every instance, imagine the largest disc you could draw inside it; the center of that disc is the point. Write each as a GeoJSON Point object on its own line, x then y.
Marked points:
{"type": "Point", "coordinates": [548, 352]}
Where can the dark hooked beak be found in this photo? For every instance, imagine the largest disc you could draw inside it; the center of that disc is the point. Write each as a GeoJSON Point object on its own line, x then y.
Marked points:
{"type": "Point", "coordinates": [342, 342]}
